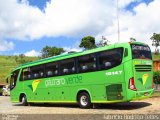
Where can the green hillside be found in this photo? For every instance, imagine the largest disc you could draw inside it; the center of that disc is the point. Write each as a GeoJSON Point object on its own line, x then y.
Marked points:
{"type": "Point", "coordinates": [8, 63]}
{"type": "Point", "coordinates": [156, 57]}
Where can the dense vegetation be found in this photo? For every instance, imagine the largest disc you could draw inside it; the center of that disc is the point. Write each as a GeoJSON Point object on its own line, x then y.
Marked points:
{"type": "Point", "coordinates": [8, 63]}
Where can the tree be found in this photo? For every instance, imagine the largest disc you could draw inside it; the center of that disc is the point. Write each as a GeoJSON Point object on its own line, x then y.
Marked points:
{"type": "Point", "coordinates": [49, 51]}
{"type": "Point", "coordinates": [132, 39]}
{"type": "Point", "coordinates": [21, 56]}
{"type": "Point", "coordinates": [88, 42]}
{"type": "Point", "coordinates": [45, 51]}
{"type": "Point", "coordinates": [155, 41]}
{"type": "Point", "coordinates": [22, 59]}
{"type": "Point", "coordinates": [103, 42]}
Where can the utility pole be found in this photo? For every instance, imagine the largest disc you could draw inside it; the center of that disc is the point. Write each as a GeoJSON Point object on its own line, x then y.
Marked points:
{"type": "Point", "coordinates": [118, 31]}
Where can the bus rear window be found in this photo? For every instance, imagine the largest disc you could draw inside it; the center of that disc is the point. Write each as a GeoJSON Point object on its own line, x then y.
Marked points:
{"type": "Point", "coordinates": [141, 52]}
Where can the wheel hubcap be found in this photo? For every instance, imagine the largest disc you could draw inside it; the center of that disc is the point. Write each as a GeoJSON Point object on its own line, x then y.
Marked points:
{"type": "Point", "coordinates": [23, 99]}
{"type": "Point", "coordinates": [84, 100]}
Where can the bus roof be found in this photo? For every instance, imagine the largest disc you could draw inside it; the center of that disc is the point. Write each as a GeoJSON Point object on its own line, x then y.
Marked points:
{"type": "Point", "coordinates": [75, 54]}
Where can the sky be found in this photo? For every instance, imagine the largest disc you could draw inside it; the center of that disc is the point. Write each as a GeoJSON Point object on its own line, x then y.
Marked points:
{"type": "Point", "coordinates": [26, 26]}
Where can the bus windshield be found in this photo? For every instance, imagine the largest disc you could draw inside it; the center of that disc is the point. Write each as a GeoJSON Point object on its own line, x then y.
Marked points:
{"type": "Point", "coordinates": [141, 52]}
{"type": "Point", "coordinates": [13, 80]}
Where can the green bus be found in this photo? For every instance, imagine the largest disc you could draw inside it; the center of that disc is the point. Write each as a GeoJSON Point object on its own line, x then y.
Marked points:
{"type": "Point", "coordinates": [120, 72]}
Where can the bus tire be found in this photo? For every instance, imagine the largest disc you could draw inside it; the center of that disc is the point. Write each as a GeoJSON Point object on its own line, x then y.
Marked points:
{"type": "Point", "coordinates": [24, 100]}
{"type": "Point", "coordinates": [84, 100]}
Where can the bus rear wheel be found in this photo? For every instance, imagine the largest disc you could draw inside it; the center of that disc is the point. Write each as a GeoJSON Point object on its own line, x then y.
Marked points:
{"type": "Point", "coordinates": [24, 100]}
{"type": "Point", "coordinates": [84, 100]}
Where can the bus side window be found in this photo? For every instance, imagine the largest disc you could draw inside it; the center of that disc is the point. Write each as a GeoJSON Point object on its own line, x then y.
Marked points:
{"type": "Point", "coordinates": [49, 73]}
{"type": "Point", "coordinates": [84, 67]}
{"type": "Point", "coordinates": [87, 63]}
{"type": "Point", "coordinates": [25, 74]}
{"type": "Point", "coordinates": [110, 58]}
{"type": "Point", "coordinates": [67, 66]}
{"type": "Point", "coordinates": [108, 64]}
{"type": "Point", "coordinates": [37, 71]}
{"type": "Point", "coordinates": [51, 69]}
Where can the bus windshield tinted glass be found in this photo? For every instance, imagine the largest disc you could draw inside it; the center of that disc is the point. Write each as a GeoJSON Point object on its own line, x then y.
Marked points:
{"type": "Point", "coordinates": [141, 52]}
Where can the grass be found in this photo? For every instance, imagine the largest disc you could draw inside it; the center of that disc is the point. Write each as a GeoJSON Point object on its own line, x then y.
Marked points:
{"type": "Point", "coordinates": [8, 63]}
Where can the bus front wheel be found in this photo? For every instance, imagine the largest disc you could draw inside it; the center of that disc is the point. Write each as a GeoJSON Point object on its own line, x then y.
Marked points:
{"type": "Point", "coordinates": [24, 100]}
{"type": "Point", "coordinates": [84, 100]}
